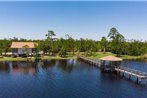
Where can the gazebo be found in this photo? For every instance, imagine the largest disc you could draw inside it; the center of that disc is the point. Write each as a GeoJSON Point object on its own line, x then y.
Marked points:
{"type": "Point", "coordinates": [108, 63]}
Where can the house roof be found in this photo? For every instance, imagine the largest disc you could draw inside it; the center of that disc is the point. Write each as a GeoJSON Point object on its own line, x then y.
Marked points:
{"type": "Point", "coordinates": [111, 58]}
{"type": "Point", "coordinates": [23, 44]}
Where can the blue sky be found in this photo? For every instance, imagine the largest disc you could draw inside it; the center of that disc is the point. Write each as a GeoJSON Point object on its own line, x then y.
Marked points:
{"type": "Point", "coordinates": [32, 20]}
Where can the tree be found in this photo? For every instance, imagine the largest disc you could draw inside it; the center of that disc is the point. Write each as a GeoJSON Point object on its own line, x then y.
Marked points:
{"type": "Point", "coordinates": [1, 51]}
{"type": "Point", "coordinates": [50, 35]}
{"type": "Point", "coordinates": [117, 40]}
{"type": "Point", "coordinates": [5, 46]}
{"type": "Point", "coordinates": [113, 33]}
{"type": "Point", "coordinates": [63, 52]}
{"type": "Point", "coordinates": [103, 44]}
{"type": "Point", "coordinates": [70, 43]}
{"type": "Point", "coordinates": [44, 46]}
{"type": "Point", "coordinates": [14, 39]}
{"type": "Point", "coordinates": [63, 47]}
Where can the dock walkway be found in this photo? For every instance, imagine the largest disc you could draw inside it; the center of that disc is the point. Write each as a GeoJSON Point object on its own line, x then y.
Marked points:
{"type": "Point", "coordinates": [90, 61]}
{"type": "Point", "coordinates": [120, 70]}
{"type": "Point", "coordinates": [132, 73]}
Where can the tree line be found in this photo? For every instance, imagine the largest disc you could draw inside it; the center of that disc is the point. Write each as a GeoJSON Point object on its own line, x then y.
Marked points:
{"type": "Point", "coordinates": [115, 42]}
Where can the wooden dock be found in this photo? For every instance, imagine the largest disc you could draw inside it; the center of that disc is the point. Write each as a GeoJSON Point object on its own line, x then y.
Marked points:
{"type": "Point", "coordinates": [131, 73]}
{"type": "Point", "coordinates": [90, 61]}
{"type": "Point", "coordinates": [120, 70]}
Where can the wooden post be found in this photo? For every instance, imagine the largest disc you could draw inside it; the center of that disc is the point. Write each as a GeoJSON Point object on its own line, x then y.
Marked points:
{"type": "Point", "coordinates": [129, 77]}
{"type": "Point", "coordinates": [118, 73]}
{"type": "Point", "coordinates": [138, 80]}
{"type": "Point", "coordinates": [122, 74]}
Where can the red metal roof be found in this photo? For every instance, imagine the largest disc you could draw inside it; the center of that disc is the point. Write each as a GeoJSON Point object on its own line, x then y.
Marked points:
{"type": "Point", "coordinates": [22, 44]}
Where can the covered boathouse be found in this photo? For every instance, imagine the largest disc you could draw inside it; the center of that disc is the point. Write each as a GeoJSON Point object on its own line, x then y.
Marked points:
{"type": "Point", "coordinates": [109, 63]}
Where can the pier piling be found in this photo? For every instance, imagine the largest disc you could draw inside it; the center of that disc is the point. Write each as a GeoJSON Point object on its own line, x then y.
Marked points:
{"type": "Point", "coordinates": [120, 70]}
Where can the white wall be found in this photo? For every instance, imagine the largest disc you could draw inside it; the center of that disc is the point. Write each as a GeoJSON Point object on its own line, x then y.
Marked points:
{"type": "Point", "coordinates": [23, 51]}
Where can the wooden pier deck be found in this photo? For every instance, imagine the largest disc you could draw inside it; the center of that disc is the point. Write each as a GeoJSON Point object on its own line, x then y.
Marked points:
{"type": "Point", "coordinates": [90, 61]}
{"type": "Point", "coordinates": [120, 70]}
{"type": "Point", "coordinates": [132, 73]}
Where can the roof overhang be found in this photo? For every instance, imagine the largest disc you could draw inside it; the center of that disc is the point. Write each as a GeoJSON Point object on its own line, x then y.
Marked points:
{"type": "Point", "coordinates": [110, 58]}
{"type": "Point", "coordinates": [23, 45]}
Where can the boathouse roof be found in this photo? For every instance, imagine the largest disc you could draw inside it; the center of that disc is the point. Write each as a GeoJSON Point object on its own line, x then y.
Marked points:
{"type": "Point", "coordinates": [111, 58]}
{"type": "Point", "coordinates": [22, 44]}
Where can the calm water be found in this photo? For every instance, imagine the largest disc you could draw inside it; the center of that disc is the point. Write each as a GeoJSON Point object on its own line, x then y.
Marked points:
{"type": "Point", "coordinates": [66, 79]}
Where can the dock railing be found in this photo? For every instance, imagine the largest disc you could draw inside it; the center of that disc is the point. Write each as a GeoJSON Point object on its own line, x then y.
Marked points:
{"type": "Point", "coordinates": [119, 69]}
{"type": "Point", "coordinates": [131, 71]}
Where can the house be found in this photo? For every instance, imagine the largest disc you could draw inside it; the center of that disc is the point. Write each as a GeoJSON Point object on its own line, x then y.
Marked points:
{"type": "Point", "coordinates": [23, 48]}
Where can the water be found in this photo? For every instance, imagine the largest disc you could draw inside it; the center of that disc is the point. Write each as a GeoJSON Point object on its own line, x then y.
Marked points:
{"type": "Point", "coordinates": [66, 79]}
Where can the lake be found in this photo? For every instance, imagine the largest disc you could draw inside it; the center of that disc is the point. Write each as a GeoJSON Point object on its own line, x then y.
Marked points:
{"type": "Point", "coordinates": [66, 79]}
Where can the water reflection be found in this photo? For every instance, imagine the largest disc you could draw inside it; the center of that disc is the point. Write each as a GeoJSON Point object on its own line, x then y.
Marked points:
{"type": "Point", "coordinates": [66, 66]}
{"type": "Point", "coordinates": [4, 67]}
{"type": "Point", "coordinates": [48, 64]}
{"type": "Point", "coordinates": [65, 79]}
{"type": "Point", "coordinates": [23, 67]}
{"type": "Point", "coordinates": [34, 67]}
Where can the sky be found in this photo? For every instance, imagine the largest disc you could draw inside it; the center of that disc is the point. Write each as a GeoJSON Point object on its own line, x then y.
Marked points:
{"type": "Point", "coordinates": [93, 20]}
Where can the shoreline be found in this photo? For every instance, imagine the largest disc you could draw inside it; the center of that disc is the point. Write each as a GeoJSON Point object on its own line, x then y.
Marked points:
{"type": "Point", "coordinates": [33, 59]}
{"type": "Point", "coordinates": [95, 56]}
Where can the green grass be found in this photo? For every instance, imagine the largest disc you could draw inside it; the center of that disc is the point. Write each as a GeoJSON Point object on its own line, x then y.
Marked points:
{"type": "Point", "coordinates": [98, 55]}
{"type": "Point", "coordinates": [130, 57]}
{"type": "Point", "coordinates": [58, 57]}
{"type": "Point", "coordinates": [70, 55]}
{"type": "Point", "coordinates": [43, 58]}
{"type": "Point", "coordinates": [12, 59]}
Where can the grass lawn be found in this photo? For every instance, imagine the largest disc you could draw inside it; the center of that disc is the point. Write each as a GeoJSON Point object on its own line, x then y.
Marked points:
{"type": "Point", "coordinates": [95, 55]}
{"type": "Point", "coordinates": [58, 57]}
{"type": "Point", "coordinates": [12, 59]}
{"type": "Point", "coordinates": [43, 58]}
{"type": "Point", "coordinates": [98, 55]}
{"type": "Point", "coordinates": [127, 57]}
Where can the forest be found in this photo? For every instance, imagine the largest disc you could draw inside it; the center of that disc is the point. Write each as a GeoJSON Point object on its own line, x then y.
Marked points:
{"type": "Point", "coordinates": [114, 42]}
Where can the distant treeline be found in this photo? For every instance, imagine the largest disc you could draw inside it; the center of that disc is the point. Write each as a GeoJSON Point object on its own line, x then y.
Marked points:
{"type": "Point", "coordinates": [114, 42]}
